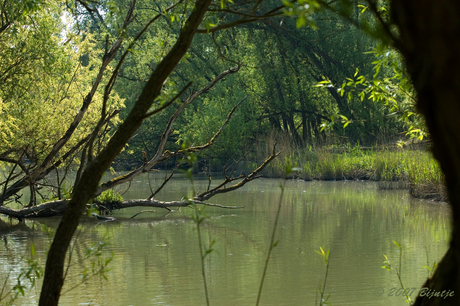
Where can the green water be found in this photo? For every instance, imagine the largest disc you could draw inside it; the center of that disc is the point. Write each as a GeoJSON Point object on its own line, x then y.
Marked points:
{"type": "Point", "coordinates": [156, 256]}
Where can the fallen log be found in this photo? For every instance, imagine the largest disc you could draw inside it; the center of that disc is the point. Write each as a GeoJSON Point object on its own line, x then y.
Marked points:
{"type": "Point", "coordinates": [57, 208]}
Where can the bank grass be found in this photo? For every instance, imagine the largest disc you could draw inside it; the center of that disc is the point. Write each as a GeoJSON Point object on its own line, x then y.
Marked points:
{"type": "Point", "coordinates": [415, 170]}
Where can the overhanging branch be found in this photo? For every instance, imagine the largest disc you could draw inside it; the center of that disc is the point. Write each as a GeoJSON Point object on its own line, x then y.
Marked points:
{"type": "Point", "coordinates": [161, 155]}
{"type": "Point", "coordinates": [221, 189]}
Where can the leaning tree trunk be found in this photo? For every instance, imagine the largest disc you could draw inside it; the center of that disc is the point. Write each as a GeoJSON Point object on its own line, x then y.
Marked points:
{"type": "Point", "coordinates": [430, 43]}
{"type": "Point", "coordinates": [84, 190]}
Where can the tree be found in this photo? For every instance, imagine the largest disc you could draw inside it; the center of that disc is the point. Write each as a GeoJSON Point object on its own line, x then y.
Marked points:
{"type": "Point", "coordinates": [95, 147]}
{"type": "Point", "coordinates": [92, 174]}
{"type": "Point", "coordinates": [428, 40]}
{"type": "Point", "coordinates": [41, 92]}
{"type": "Point", "coordinates": [282, 66]}
{"type": "Point", "coordinates": [84, 134]}
{"type": "Point", "coordinates": [426, 34]}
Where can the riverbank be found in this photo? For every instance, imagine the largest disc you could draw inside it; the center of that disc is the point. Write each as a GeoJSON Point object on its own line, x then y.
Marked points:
{"type": "Point", "coordinates": [415, 170]}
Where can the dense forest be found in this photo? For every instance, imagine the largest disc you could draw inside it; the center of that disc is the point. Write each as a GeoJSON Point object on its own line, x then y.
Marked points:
{"type": "Point", "coordinates": [329, 89]}
{"type": "Point", "coordinates": [282, 66]}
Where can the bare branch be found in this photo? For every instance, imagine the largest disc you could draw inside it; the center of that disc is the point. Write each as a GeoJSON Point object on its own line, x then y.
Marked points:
{"type": "Point", "coordinates": [220, 189]}
{"type": "Point", "coordinates": [240, 22]}
{"type": "Point", "coordinates": [164, 183]}
{"type": "Point", "coordinates": [161, 155]}
{"type": "Point", "coordinates": [169, 103]}
{"type": "Point", "coordinates": [211, 141]}
{"type": "Point", "coordinates": [54, 208]}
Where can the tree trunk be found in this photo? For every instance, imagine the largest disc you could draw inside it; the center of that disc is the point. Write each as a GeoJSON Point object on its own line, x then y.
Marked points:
{"type": "Point", "coordinates": [84, 190]}
{"type": "Point", "coordinates": [429, 41]}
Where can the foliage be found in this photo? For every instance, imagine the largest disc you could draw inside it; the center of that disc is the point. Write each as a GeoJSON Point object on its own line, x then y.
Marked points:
{"type": "Point", "coordinates": [28, 275]}
{"type": "Point", "coordinates": [109, 197]}
{"type": "Point", "coordinates": [390, 267]}
{"type": "Point", "coordinates": [282, 65]}
{"type": "Point", "coordinates": [42, 83]}
{"type": "Point", "coordinates": [322, 288]}
{"type": "Point", "coordinates": [389, 86]}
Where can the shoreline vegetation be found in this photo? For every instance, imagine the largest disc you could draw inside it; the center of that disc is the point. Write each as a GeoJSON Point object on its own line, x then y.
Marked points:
{"type": "Point", "coordinates": [412, 169]}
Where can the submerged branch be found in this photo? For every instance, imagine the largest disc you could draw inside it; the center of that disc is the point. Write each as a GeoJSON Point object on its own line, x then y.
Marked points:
{"type": "Point", "coordinates": [166, 204]}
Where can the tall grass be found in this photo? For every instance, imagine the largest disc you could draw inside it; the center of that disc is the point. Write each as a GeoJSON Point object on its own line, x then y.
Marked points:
{"type": "Point", "coordinates": [416, 170]}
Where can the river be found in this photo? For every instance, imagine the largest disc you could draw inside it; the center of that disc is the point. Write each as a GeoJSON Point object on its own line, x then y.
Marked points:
{"type": "Point", "coordinates": [156, 258]}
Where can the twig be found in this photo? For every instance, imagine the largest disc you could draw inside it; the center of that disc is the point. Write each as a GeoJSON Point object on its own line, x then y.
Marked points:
{"type": "Point", "coordinates": [220, 189]}
{"type": "Point", "coordinates": [272, 242]}
{"type": "Point", "coordinates": [169, 103]}
{"type": "Point", "coordinates": [143, 211]}
{"type": "Point", "coordinates": [164, 183]}
{"type": "Point", "coordinates": [211, 141]}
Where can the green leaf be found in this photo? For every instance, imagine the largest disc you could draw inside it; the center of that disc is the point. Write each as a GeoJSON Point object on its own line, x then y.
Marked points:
{"type": "Point", "coordinates": [301, 21]}
{"type": "Point", "coordinates": [21, 290]}
{"type": "Point", "coordinates": [362, 7]}
{"type": "Point", "coordinates": [350, 95]}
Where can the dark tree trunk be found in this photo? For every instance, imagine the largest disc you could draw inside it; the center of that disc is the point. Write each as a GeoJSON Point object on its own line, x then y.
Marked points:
{"type": "Point", "coordinates": [275, 122]}
{"type": "Point", "coordinates": [305, 128]}
{"type": "Point", "coordinates": [292, 129]}
{"type": "Point", "coordinates": [285, 122]}
{"type": "Point", "coordinates": [429, 41]}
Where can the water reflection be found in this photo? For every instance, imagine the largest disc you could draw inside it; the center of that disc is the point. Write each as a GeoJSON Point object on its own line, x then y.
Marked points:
{"type": "Point", "coordinates": [156, 256]}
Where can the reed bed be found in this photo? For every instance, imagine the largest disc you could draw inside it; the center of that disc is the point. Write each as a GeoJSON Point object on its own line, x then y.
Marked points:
{"type": "Point", "coordinates": [415, 170]}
